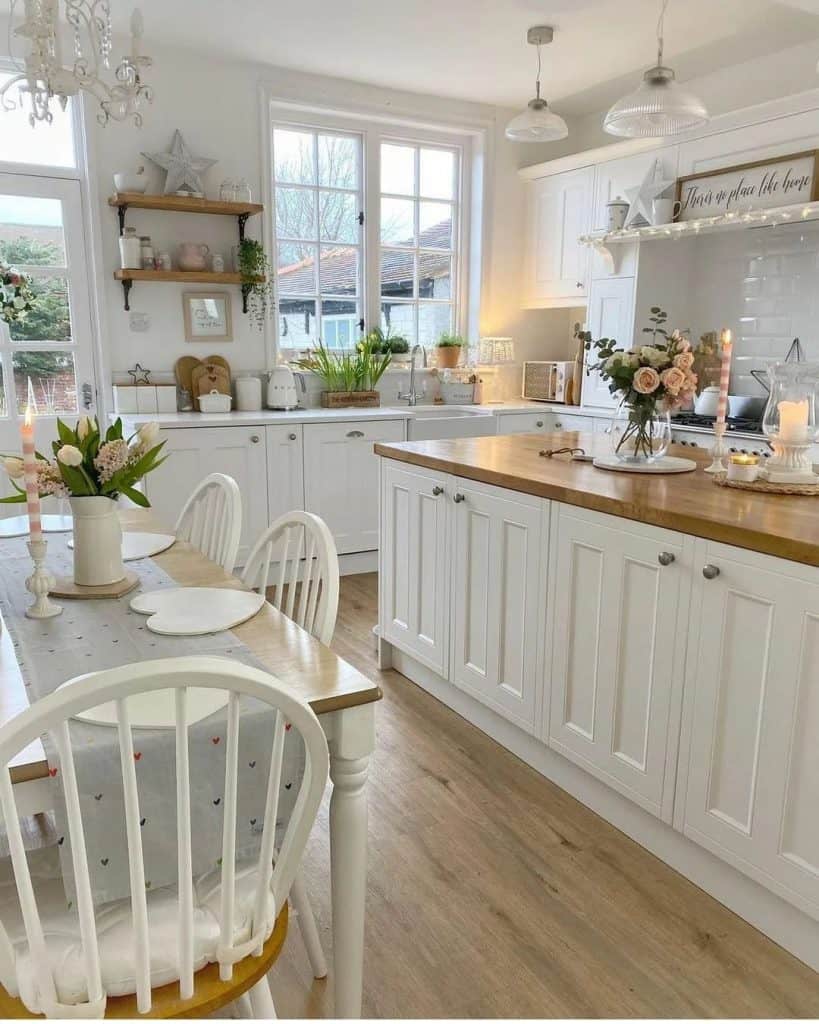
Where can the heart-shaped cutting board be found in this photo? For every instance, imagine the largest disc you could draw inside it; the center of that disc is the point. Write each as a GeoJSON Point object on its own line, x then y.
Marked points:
{"type": "Point", "coordinates": [194, 611]}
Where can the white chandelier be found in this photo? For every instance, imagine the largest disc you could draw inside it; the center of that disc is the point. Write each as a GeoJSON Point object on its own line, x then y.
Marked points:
{"type": "Point", "coordinates": [43, 76]}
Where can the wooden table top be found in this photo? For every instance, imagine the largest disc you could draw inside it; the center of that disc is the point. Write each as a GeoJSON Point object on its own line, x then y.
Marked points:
{"type": "Point", "coordinates": [307, 667]}
{"type": "Point", "coordinates": [774, 524]}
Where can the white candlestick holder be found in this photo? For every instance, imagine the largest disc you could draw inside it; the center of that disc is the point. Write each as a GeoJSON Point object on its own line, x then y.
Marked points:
{"type": "Point", "coordinates": [717, 453]}
{"type": "Point", "coordinates": [790, 464]}
{"type": "Point", "coordinates": [40, 583]}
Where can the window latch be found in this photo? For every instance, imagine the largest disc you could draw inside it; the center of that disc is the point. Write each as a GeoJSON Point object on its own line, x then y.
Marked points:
{"type": "Point", "coordinates": [361, 218]}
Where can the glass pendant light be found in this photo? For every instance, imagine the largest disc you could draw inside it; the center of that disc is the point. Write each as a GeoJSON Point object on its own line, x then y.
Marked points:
{"type": "Point", "coordinates": [537, 123]}
{"type": "Point", "coordinates": [658, 107]}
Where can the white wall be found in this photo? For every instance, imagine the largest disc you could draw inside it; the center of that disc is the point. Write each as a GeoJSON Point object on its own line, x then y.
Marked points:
{"type": "Point", "coordinates": [217, 107]}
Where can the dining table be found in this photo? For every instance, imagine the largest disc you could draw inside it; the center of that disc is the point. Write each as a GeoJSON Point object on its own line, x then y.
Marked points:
{"type": "Point", "coordinates": [343, 699]}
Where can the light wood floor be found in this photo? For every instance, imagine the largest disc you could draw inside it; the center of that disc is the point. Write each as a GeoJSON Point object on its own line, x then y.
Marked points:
{"type": "Point", "coordinates": [492, 893]}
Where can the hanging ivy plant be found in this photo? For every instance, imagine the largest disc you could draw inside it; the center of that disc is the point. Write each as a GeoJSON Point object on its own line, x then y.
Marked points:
{"type": "Point", "coordinates": [16, 295]}
{"type": "Point", "coordinates": [257, 281]}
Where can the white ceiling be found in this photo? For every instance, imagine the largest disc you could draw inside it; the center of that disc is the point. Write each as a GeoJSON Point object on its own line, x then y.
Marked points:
{"type": "Point", "coordinates": [476, 49]}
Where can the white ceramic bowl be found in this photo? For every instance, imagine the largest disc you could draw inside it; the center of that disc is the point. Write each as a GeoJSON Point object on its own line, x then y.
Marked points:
{"type": "Point", "coordinates": [215, 402]}
{"type": "Point", "coordinates": [128, 181]}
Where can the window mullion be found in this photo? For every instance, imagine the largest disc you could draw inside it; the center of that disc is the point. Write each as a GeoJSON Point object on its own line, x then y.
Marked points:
{"type": "Point", "coordinates": [372, 227]}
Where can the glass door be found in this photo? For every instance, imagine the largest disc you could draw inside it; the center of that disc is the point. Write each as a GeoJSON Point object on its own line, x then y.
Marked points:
{"type": "Point", "coordinates": [46, 359]}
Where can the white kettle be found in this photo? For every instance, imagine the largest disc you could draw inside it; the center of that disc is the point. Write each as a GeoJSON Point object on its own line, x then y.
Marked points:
{"type": "Point", "coordinates": [281, 389]}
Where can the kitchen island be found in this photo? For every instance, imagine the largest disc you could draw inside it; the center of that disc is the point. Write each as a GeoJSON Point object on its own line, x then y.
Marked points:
{"type": "Point", "coordinates": [649, 643]}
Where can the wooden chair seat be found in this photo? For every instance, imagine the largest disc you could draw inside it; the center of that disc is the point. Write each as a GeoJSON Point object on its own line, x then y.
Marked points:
{"type": "Point", "coordinates": [210, 994]}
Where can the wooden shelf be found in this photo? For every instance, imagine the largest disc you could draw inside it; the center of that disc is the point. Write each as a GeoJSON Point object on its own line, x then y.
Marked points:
{"type": "Point", "coordinates": [189, 276]}
{"type": "Point", "coordinates": [184, 204]}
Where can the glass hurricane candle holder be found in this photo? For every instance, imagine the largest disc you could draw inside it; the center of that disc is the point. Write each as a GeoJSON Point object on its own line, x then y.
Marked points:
{"type": "Point", "coordinates": [790, 422]}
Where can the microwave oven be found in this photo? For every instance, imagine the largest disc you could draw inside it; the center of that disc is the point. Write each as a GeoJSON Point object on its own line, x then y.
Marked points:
{"type": "Point", "coordinates": [547, 380]}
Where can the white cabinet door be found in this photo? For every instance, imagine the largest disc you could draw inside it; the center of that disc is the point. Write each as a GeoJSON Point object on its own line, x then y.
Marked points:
{"type": "Point", "coordinates": [753, 777]}
{"type": "Point", "coordinates": [526, 422]}
{"type": "Point", "coordinates": [285, 469]}
{"type": "Point", "coordinates": [611, 315]}
{"type": "Point", "coordinates": [341, 478]}
{"type": "Point", "coordinates": [615, 176]}
{"type": "Point", "coordinates": [616, 656]}
{"type": "Point", "coordinates": [500, 559]}
{"type": "Point", "coordinates": [558, 213]}
{"type": "Point", "coordinates": [196, 451]}
{"type": "Point", "coordinates": [413, 563]}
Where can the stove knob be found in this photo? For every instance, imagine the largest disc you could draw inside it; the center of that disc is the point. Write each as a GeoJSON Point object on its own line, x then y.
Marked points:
{"type": "Point", "coordinates": [732, 449]}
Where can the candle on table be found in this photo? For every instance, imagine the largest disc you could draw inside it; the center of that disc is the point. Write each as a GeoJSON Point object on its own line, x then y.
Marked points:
{"type": "Point", "coordinates": [743, 467]}
{"type": "Point", "coordinates": [793, 422]}
{"type": "Point", "coordinates": [724, 377]}
{"type": "Point", "coordinates": [30, 474]}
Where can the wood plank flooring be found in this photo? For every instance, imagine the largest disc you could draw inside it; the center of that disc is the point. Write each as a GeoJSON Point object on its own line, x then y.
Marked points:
{"type": "Point", "coordinates": [492, 893]}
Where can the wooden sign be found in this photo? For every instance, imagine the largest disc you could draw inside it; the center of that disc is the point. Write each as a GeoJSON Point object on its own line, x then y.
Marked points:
{"type": "Point", "coordinates": [780, 181]}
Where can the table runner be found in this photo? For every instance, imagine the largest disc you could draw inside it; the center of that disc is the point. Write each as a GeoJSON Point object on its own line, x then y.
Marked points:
{"type": "Point", "coordinates": [94, 635]}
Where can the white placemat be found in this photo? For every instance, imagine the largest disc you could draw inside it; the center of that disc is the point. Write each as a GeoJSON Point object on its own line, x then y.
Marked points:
{"type": "Point", "coordinates": [667, 464]}
{"type": "Point", "coordinates": [141, 545]}
{"type": "Point", "coordinates": [194, 611]}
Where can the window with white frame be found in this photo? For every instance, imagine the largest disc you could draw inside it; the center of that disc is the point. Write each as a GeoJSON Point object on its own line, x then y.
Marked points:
{"type": "Point", "coordinates": [331, 284]}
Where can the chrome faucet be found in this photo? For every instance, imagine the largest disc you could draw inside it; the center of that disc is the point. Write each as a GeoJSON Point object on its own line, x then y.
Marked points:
{"type": "Point", "coordinates": [411, 396]}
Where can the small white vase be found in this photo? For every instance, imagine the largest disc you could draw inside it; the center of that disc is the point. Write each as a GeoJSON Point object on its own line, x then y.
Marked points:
{"type": "Point", "coordinates": [97, 541]}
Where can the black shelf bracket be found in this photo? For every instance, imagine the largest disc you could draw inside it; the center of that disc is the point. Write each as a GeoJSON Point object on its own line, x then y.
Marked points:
{"type": "Point", "coordinates": [127, 284]}
{"type": "Point", "coordinates": [121, 210]}
{"type": "Point", "coordinates": [242, 222]}
{"type": "Point", "coordinates": [245, 293]}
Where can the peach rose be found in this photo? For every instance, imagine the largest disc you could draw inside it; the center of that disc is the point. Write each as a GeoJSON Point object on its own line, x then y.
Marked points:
{"type": "Point", "coordinates": [685, 360]}
{"type": "Point", "coordinates": [646, 380]}
{"type": "Point", "coordinates": [673, 380]}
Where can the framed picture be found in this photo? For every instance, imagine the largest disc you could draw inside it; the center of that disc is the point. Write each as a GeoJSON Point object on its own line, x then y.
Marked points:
{"type": "Point", "coordinates": [777, 181]}
{"type": "Point", "coordinates": [207, 316]}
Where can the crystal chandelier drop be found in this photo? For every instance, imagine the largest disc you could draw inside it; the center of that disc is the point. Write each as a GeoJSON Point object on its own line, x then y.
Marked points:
{"type": "Point", "coordinates": [43, 77]}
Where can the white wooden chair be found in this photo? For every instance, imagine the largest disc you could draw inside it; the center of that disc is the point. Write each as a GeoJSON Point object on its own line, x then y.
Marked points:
{"type": "Point", "coordinates": [291, 538]}
{"type": "Point", "coordinates": [149, 954]}
{"type": "Point", "coordinates": [211, 519]}
{"type": "Point", "coordinates": [304, 548]}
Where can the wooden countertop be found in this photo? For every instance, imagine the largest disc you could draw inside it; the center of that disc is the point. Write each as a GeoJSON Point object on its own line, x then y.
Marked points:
{"type": "Point", "coordinates": [780, 525]}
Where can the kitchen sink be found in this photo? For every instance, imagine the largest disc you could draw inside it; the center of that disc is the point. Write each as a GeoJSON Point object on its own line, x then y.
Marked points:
{"type": "Point", "coordinates": [440, 422]}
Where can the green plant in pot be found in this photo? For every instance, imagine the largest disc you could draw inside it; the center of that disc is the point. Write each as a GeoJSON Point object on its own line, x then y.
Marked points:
{"type": "Point", "coordinates": [449, 350]}
{"type": "Point", "coordinates": [257, 280]}
{"type": "Point", "coordinates": [352, 377]}
{"type": "Point", "coordinates": [386, 344]}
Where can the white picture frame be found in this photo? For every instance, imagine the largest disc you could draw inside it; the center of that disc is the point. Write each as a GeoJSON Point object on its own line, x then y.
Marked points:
{"type": "Point", "coordinates": [207, 316]}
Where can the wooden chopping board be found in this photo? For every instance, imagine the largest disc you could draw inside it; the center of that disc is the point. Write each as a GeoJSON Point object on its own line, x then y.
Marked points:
{"type": "Point", "coordinates": [209, 377]}
{"type": "Point", "coordinates": [187, 366]}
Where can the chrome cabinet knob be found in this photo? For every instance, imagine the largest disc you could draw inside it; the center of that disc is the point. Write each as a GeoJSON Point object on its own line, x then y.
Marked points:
{"type": "Point", "coordinates": [436, 490]}
{"type": "Point", "coordinates": [710, 572]}
{"type": "Point", "coordinates": [579, 284]}
{"type": "Point", "coordinates": [558, 425]}
{"type": "Point", "coordinates": [254, 439]}
{"type": "Point", "coordinates": [666, 557]}
{"type": "Point", "coordinates": [539, 423]}
{"type": "Point", "coordinates": [292, 436]}
{"type": "Point", "coordinates": [458, 499]}
{"type": "Point", "coordinates": [355, 433]}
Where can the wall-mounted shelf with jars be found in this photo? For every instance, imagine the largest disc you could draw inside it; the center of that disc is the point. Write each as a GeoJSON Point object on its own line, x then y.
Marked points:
{"type": "Point", "coordinates": [182, 204]}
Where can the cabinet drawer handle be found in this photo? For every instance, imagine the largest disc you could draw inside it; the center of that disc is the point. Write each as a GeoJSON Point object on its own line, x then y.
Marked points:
{"type": "Point", "coordinates": [710, 572]}
{"type": "Point", "coordinates": [436, 490]}
{"type": "Point", "coordinates": [292, 436]}
{"type": "Point", "coordinates": [558, 425]}
{"type": "Point", "coordinates": [539, 423]}
{"type": "Point", "coordinates": [666, 557]}
{"type": "Point", "coordinates": [355, 433]}
{"type": "Point", "coordinates": [254, 438]}
{"type": "Point", "coordinates": [458, 499]}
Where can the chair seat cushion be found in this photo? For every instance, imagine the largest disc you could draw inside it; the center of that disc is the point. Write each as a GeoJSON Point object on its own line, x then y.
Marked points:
{"type": "Point", "coordinates": [115, 932]}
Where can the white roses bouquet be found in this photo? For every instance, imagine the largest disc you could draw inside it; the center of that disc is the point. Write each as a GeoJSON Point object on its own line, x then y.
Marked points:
{"type": "Point", "coordinates": [86, 463]}
{"type": "Point", "coordinates": [650, 379]}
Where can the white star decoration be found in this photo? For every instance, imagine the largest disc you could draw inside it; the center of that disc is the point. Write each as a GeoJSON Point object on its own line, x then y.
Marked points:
{"type": "Point", "coordinates": [184, 169]}
{"type": "Point", "coordinates": [641, 198]}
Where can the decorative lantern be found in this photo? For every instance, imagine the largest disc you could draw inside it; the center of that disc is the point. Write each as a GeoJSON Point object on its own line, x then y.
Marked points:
{"type": "Point", "coordinates": [790, 422]}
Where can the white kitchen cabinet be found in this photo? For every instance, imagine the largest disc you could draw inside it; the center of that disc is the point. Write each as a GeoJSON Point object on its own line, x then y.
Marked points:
{"type": "Point", "coordinates": [611, 315]}
{"type": "Point", "coordinates": [526, 422]}
{"type": "Point", "coordinates": [195, 452]}
{"type": "Point", "coordinates": [620, 601]}
{"type": "Point", "coordinates": [414, 568]}
{"type": "Point", "coordinates": [753, 773]}
{"type": "Point", "coordinates": [285, 468]}
{"type": "Point", "coordinates": [498, 566]}
{"type": "Point", "coordinates": [613, 177]}
{"type": "Point", "coordinates": [557, 265]}
{"type": "Point", "coordinates": [341, 478]}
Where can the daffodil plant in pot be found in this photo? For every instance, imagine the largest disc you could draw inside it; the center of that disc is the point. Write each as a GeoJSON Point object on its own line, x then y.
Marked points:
{"type": "Point", "coordinates": [92, 471]}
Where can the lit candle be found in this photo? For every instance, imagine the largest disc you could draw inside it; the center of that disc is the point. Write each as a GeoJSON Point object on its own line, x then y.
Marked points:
{"type": "Point", "coordinates": [30, 474]}
{"type": "Point", "coordinates": [724, 377]}
{"type": "Point", "coordinates": [743, 467]}
{"type": "Point", "coordinates": [793, 422]}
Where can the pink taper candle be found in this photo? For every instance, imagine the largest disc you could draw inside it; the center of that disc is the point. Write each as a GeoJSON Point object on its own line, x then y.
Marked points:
{"type": "Point", "coordinates": [724, 377]}
{"type": "Point", "coordinates": [30, 471]}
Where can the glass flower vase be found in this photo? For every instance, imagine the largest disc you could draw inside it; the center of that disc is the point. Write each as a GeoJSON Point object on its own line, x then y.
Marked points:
{"type": "Point", "coordinates": [640, 434]}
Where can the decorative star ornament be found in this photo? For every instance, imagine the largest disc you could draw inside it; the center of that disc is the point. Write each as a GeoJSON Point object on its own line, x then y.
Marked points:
{"type": "Point", "coordinates": [140, 374]}
{"type": "Point", "coordinates": [184, 169]}
{"type": "Point", "coordinates": [640, 198]}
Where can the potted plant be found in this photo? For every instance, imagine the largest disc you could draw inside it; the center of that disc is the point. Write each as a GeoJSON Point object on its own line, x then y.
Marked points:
{"type": "Point", "coordinates": [350, 378]}
{"type": "Point", "coordinates": [449, 350]}
{"type": "Point", "coordinates": [92, 471]}
{"type": "Point", "coordinates": [380, 343]}
{"type": "Point", "coordinates": [651, 380]}
{"type": "Point", "coordinates": [256, 279]}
